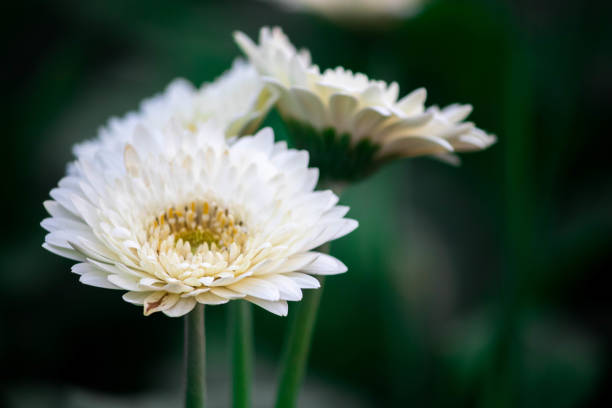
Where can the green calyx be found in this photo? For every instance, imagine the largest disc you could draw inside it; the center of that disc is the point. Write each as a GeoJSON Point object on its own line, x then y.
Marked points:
{"type": "Point", "coordinates": [338, 160]}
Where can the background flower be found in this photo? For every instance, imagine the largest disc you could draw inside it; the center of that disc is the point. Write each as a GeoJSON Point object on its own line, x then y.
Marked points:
{"type": "Point", "coordinates": [350, 123]}
{"type": "Point", "coordinates": [237, 101]}
{"type": "Point", "coordinates": [183, 217]}
{"type": "Point", "coordinates": [357, 11]}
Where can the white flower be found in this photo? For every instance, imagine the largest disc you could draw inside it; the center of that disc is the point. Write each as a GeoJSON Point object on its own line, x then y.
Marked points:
{"type": "Point", "coordinates": [238, 101]}
{"type": "Point", "coordinates": [351, 106]}
{"type": "Point", "coordinates": [357, 10]}
{"type": "Point", "coordinates": [184, 217]}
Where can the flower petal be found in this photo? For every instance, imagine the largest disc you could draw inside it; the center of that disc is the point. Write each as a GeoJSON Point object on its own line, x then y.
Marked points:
{"type": "Point", "coordinates": [98, 279]}
{"type": "Point", "coordinates": [136, 298]}
{"type": "Point", "coordinates": [159, 301]}
{"type": "Point", "coordinates": [258, 288]}
{"type": "Point", "coordinates": [303, 280]}
{"type": "Point", "coordinates": [325, 265]}
{"type": "Point", "coordinates": [180, 308]}
{"type": "Point", "coordinates": [208, 298]}
{"type": "Point", "coordinates": [279, 307]}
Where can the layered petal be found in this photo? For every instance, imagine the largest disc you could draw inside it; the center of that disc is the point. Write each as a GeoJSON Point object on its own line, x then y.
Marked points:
{"type": "Point", "coordinates": [187, 216]}
{"type": "Point", "coordinates": [237, 101]}
{"type": "Point", "coordinates": [350, 123]}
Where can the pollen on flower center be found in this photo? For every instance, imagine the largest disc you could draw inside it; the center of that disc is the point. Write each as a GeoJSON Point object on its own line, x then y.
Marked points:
{"type": "Point", "coordinates": [197, 237]}
{"type": "Point", "coordinates": [196, 228]}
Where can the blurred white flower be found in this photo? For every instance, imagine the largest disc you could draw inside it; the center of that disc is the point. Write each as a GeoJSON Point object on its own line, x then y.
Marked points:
{"type": "Point", "coordinates": [238, 101]}
{"type": "Point", "coordinates": [184, 216]}
{"type": "Point", "coordinates": [357, 10]}
{"type": "Point", "coordinates": [354, 115]}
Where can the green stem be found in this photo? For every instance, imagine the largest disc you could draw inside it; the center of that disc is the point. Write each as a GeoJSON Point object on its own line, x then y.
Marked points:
{"type": "Point", "coordinates": [295, 355]}
{"type": "Point", "coordinates": [502, 381]}
{"type": "Point", "coordinates": [297, 347]}
{"type": "Point", "coordinates": [195, 358]}
{"type": "Point", "coordinates": [242, 353]}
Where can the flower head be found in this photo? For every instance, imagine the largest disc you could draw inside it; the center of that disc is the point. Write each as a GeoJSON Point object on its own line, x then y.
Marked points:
{"type": "Point", "coordinates": [185, 216]}
{"type": "Point", "coordinates": [368, 11]}
{"type": "Point", "coordinates": [237, 101]}
{"type": "Point", "coordinates": [351, 124]}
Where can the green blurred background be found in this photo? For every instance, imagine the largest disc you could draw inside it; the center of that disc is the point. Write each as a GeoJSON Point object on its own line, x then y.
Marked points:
{"type": "Point", "coordinates": [485, 285]}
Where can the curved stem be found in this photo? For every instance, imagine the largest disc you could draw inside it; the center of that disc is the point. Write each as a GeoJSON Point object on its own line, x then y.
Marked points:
{"type": "Point", "coordinates": [297, 348]}
{"type": "Point", "coordinates": [242, 352]}
{"type": "Point", "coordinates": [195, 358]}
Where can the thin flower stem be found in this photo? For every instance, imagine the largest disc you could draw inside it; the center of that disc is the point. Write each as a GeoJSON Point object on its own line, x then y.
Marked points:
{"type": "Point", "coordinates": [297, 348]}
{"type": "Point", "coordinates": [195, 358]}
{"type": "Point", "coordinates": [242, 353]}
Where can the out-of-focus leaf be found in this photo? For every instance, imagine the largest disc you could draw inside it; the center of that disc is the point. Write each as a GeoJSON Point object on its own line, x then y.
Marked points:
{"type": "Point", "coordinates": [557, 366]}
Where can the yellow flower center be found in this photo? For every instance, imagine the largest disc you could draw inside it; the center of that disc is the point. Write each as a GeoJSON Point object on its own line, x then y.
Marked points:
{"type": "Point", "coordinates": [197, 237]}
{"type": "Point", "coordinates": [194, 228]}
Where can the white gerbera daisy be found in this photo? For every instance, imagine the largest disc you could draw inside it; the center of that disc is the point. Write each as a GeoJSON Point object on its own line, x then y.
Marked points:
{"type": "Point", "coordinates": [238, 101]}
{"type": "Point", "coordinates": [350, 123]}
{"type": "Point", "coordinates": [371, 11]}
{"type": "Point", "coordinates": [184, 217]}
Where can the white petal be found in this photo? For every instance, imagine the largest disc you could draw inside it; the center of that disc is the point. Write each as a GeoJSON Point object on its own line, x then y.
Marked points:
{"type": "Point", "coordinates": [210, 299]}
{"type": "Point", "coordinates": [449, 158]}
{"type": "Point", "coordinates": [58, 239]}
{"type": "Point", "coordinates": [258, 288]}
{"type": "Point", "coordinates": [98, 279]}
{"type": "Point", "coordinates": [303, 280]}
{"type": "Point", "coordinates": [227, 293]}
{"type": "Point", "coordinates": [56, 210]}
{"type": "Point", "coordinates": [311, 107]}
{"type": "Point", "coordinates": [279, 308]}
{"type": "Point", "coordinates": [411, 146]}
{"type": "Point", "coordinates": [264, 140]}
{"type": "Point", "coordinates": [124, 282]}
{"type": "Point", "coordinates": [85, 209]}
{"type": "Point", "coordinates": [456, 113]}
{"type": "Point", "coordinates": [367, 120]}
{"type": "Point", "coordinates": [92, 249]}
{"type": "Point", "coordinates": [131, 160]}
{"type": "Point", "coordinates": [136, 298]}
{"type": "Point", "coordinates": [413, 102]}
{"type": "Point", "coordinates": [287, 288]}
{"type": "Point", "coordinates": [325, 265]}
{"type": "Point", "coordinates": [66, 253]}
{"type": "Point", "coordinates": [195, 293]}
{"type": "Point", "coordinates": [55, 224]}
{"type": "Point", "coordinates": [347, 226]}
{"type": "Point", "coordinates": [342, 108]}
{"type": "Point", "coordinates": [180, 308]}
{"type": "Point", "coordinates": [84, 268]}
{"type": "Point", "coordinates": [62, 196]}
{"type": "Point", "coordinates": [159, 301]}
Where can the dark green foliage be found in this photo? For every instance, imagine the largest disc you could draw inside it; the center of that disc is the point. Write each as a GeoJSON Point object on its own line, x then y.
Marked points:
{"type": "Point", "coordinates": [450, 268]}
